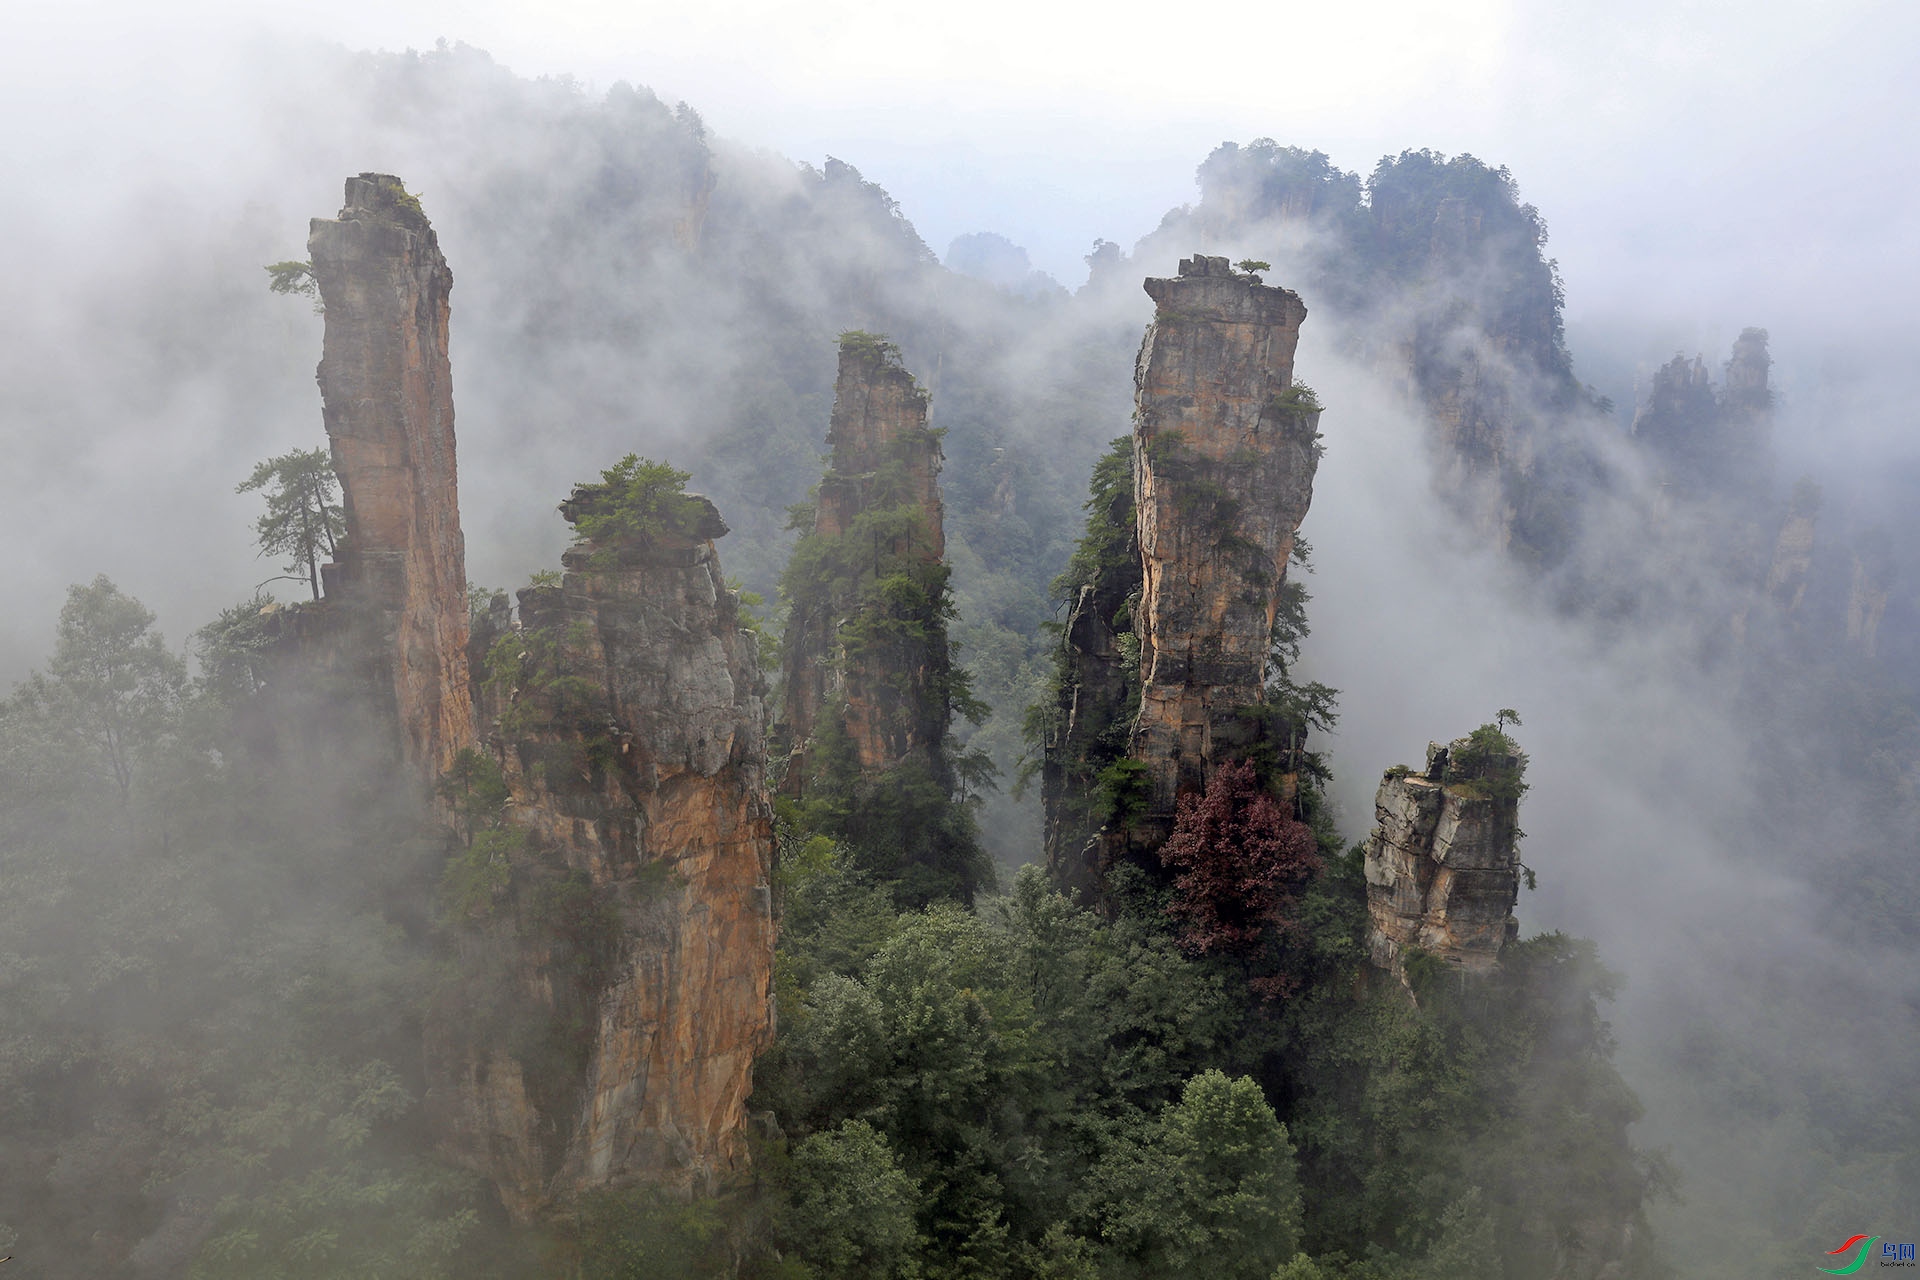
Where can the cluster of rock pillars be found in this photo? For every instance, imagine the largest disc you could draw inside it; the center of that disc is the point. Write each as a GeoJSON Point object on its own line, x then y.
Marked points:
{"type": "Point", "coordinates": [671, 830]}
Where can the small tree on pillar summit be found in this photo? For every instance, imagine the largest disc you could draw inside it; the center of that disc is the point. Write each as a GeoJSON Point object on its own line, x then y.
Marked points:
{"type": "Point", "coordinates": [303, 518]}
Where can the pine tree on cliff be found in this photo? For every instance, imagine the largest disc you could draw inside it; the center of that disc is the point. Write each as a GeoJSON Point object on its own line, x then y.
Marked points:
{"type": "Point", "coordinates": [304, 518]}
{"type": "Point", "coordinates": [871, 688]}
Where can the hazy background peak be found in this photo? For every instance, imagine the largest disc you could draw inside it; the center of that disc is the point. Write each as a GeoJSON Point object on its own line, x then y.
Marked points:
{"type": "Point", "coordinates": [1702, 168]}
{"type": "Point", "coordinates": [1688, 136]}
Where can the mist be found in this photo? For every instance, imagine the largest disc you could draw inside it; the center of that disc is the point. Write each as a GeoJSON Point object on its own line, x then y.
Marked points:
{"type": "Point", "coordinates": [1642, 823]}
{"type": "Point", "coordinates": [144, 369]}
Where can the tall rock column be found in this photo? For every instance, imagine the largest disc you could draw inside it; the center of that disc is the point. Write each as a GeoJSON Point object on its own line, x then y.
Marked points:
{"type": "Point", "coordinates": [882, 450]}
{"type": "Point", "coordinates": [388, 401]}
{"type": "Point", "coordinates": [617, 944]}
{"type": "Point", "coordinates": [871, 688]}
{"type": "Point", "coordinates": [885, 460]}
{"type": "Point", "coordinates": [1224, 456]}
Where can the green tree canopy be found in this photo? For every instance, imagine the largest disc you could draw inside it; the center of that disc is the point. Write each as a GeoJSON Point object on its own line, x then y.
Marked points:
{"type": "Point", "coordinates": [1210, 1190]}
{"type": "Point", "coordinates": [295, 276]}
{"type": "Point", "coordinates": [852, 1207]}
{"type": "Point", "coordinates": [112, 690]}
{"type": "Point", "coordinates": [637, 499]}
{"type": "Point", "coordinates": [303, 518]}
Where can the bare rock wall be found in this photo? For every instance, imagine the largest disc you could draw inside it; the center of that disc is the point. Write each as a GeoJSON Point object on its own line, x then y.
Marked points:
{"type": "Point", "coordinates": [387, 391]}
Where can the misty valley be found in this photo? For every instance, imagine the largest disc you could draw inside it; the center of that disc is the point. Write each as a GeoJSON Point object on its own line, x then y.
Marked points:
{"type": "Point", "coordinates": [850, 762]}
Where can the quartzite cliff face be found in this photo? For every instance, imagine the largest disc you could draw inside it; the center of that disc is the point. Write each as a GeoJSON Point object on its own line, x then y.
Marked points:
{"type": "Point", "coordinates": [886, 689]}
{"type": "Point", "coordinates": [1223, 473]}
{"type": "Point", "coordinates": [1443, 863]}
{"type": "Point", "coordinates": [1098, 692]}
{"type": "Point", "coordinates": [387, 392]}
{"type": "Point", "coordinates": [871, 685]}
{"type": "Point", "coordinates": [620, 984]}
{"type": "Point", "coordinates": [614, 965]}
{"type": "Point", "coordinates": [1224, 453]}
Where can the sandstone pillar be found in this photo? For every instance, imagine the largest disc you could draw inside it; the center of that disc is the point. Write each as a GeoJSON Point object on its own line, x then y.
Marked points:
{"type": "Point", "coordinates": [386, 386]}
{"type": "Point", "coordinates": [1224, 457]}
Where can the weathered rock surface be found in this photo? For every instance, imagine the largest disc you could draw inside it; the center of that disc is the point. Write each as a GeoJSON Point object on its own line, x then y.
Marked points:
{"type": "Point", "coordinates": [1867, 591]}
{"type": "Point", "coordinates": [1224, 460]}
{"type": "Point", "coordinates": [633, 950]}
{"type": "Point", "coordinates": [614, 964]}
{"type": "Point", "coordinates": [1442, 864]}
{"type": "Point", "coordinates": [884, 459]}
{"type": "Point", "coordinates": [879, 423]}
{"type": "Point", "coordinates": [386, 386]}
{"type": "Point", "coordinates": [1098, 701]}
{"type": "Point", "coordinates": [1165, 655]}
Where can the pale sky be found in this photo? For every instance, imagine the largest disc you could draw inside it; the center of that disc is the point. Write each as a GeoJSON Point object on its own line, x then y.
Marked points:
{"type": "Point", "coordinates": [1703, 150]}
{"type": "Point", "coordinates": [1702, 167]}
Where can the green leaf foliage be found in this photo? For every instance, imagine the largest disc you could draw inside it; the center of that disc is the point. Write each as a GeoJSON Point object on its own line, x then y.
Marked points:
{"type": "Point", "coordinates": [636, 501]}
{"type": "Point", "coordinates": [295, 278]}
{"type": "Point", "coordinates": [194, 1026]}
{"type": "Point", "coordinates": [1490, 763]}
{"type": "Point", "coordinates": [851, 1208]}
{"type": "Point", "coordinates": [304, 518]}
{"type": "Point", "coordinates": [1209, 1189]}
{"type": "Point", "coordinates": [999, 1052]}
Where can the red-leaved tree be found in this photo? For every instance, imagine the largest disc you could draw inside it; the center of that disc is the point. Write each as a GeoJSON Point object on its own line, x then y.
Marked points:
{"type": "Point", "coordinates": [1239, 862]}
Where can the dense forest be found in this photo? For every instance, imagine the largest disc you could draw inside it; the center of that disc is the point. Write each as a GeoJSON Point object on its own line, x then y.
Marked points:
{"type": "Point", "coordinates": [263, 979]}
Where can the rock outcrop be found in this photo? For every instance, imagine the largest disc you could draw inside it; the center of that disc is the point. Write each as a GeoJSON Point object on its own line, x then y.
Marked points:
{"type": "Point", "coordinates": [1443, 863]}
{"type": "Point", "coordinates": [885, 465]}
{"type": "Point", "coordinates": [386, 387]}
{"type": "Point", "coordinates": [1708, 443]}
{"type": "Point", "coordinates": [1225, 448]}
{"type": "Point", "coordinates": [617, 976]}
{"type": "Point", "coordinates": [1786, 584]}
{"type": "Point", "coordinates": [1224, 452]}
{"type": "Point", "coordinates": [1098, 692]}
{"type": "Point", "coordinates": [871, 688]}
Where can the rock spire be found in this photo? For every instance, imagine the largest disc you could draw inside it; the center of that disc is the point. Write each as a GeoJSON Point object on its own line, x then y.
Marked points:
{"type": "Point", "coordinates": [884, 460]}
{"type": "Point", "coordinates": [1224, 451]}
{"type": "Point", "coordinates": [871, 689]}
{"type": "Point", "coordinates": [619, 975]}
{"type": "Point", "coordinates": [386, 387]}
{"type": "Point", "coordinates": [1224, 456]}
{"type": "Point", "coordinates": [1443, 862]}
